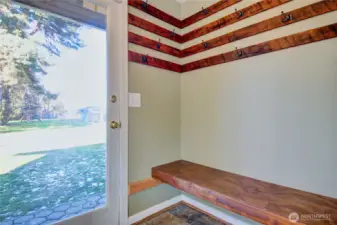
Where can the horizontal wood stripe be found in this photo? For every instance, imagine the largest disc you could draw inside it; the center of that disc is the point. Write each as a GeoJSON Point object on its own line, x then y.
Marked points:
{"type": "Point", "coordinates": [155, 62]}
{"type": "Point", "coordinates": [143, 185]}
{"type": "Point", "coordinates": [247, 12]}
{"type": "Point", "coordinates": [204, 13]}
{"type": "Point", "coordinates": [154, 45]}
{"type": "Point", "coordinates": [264, 202]}
{"type": "Point", "coordinates": [153, 28]}
{"type": "Point", "coordinates": [300, 14]}
{"type": "Point", "coordinates": [290, 41]}
{"type": "Point", "coordinates": [155, 12]}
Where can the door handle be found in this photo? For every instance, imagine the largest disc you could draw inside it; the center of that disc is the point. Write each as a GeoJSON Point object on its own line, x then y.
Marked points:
{"type": "Point", "coordinates": [115, 125]}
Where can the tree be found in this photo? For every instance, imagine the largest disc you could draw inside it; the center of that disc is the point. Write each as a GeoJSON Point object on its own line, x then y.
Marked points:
{"type": "Point", "coordinates": [26, 36]}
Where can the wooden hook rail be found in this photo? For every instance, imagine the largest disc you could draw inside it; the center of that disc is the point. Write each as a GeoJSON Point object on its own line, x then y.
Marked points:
{"type": "Point", "coordinates": [247, 12]}
{"type": "Point", "coordinates": [297, 15]}
{"type": "Point", "coordinates": [307, 37]}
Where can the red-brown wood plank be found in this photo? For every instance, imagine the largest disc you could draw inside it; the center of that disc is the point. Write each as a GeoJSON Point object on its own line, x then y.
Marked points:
{"type": "Point", "coordinates": [202, 14]}
{"type": "Point", "coordinates": [155, 62]}
{"type": "Point", "coordinates": [155, 12]}
{"type": "Point", "coordinates": [300, 14]}
{"type": "Point", "coordinates": [154, 45]}
{"type": "Point", "coordinates": [233, 18]}
{"type": "Point", "coordinates": [263, 202]}
{"type": "Point", "coordinates": [290, 41]}
{"type": "Point", "coordinates": [153, 28]}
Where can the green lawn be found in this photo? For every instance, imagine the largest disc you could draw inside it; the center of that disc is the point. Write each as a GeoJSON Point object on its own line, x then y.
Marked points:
{"type": "Point", "coordinates": [17, 126]}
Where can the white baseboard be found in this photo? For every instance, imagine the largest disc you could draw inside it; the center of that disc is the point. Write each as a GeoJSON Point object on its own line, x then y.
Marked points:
{"type": "Point", "coordinates": [228, 217]}
{"type": "Point", "coordinates": [154, 209]}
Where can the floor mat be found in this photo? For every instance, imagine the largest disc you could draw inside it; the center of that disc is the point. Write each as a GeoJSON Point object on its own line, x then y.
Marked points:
{"type": "Point", "coordinates": [181, 214]}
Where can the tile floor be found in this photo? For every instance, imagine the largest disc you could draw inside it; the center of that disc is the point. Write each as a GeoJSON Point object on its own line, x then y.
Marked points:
{"type": "Point", "coordinates": [182, 215]}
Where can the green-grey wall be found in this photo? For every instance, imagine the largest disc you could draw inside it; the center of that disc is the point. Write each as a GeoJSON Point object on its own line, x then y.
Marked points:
{"type": "Point", "coordinates": [154, 130]}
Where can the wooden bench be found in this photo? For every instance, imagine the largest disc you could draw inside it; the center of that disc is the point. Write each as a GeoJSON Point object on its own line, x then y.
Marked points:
{"type": "Point", "coordinates": [263, 202]}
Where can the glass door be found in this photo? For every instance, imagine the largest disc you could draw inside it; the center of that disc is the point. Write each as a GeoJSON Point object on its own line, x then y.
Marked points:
{"type": "Point", "coordinates": [54, 154]}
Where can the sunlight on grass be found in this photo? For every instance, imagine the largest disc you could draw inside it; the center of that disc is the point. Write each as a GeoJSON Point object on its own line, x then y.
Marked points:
{"type": "Point", "coordinates": [18, 126]}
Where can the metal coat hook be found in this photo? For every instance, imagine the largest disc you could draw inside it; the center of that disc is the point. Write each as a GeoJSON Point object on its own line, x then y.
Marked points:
{"type": "Point", "coordinates": [239, 13]}
{"type": "Point", "coordinates": [239, 53]}
{"type": "Point", "coordinates": [173, 33]}
{"type": "Point", "coordinates": [286, 17]}
{"type": "Point", "coordinates": [144, 59]}
{"type": "Point", "coordinates": [205, 44]}
{"type": "Point", "coordinates": [158, 44]}
{"type": "Point", "coordinates": [204, 11]}
{"type": "Point", "coordinates": [145, 4]}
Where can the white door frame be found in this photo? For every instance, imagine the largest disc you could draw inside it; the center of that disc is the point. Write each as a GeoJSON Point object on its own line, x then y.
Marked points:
{"type": "Point", "coordinates": [117, 140]}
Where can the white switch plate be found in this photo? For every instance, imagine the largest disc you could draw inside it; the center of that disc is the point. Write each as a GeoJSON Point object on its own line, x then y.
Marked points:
{"type": "Point", "coordinates": [135, 100]}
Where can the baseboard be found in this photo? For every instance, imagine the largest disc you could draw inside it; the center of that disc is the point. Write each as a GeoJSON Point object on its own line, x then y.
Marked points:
{"type": "Point", "coordinates": [220, 214]}
{"type": "Point", "coordinates": [154, 209]}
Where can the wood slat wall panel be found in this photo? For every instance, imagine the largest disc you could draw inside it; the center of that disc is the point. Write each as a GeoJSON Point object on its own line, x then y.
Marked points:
{"type": "Point", "coordinates": [153, 11]}
{"type": "Point", "coordinates": [290, 41]}
{"type": "Point", "coordinates": [153, 28]}
{"type": "Point", "coordinates": [155, 62]}
{"type": "Point", "coordinates": [154, 45]}
{"type": "Point", "coordinates": [300, 14]}
{"type": "Point", "coordinates": [247, 12]}
{"type": "Point", "coordinates": [263, 202]}
{"type": "Point", "coordinates": [202, 14]}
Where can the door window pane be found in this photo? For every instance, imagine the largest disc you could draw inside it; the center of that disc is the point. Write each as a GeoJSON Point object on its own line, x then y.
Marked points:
{"type": "Point", "coordinates": [52, 117]}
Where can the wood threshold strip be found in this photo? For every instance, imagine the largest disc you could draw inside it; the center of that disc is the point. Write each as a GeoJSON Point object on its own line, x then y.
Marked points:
{"type": "Point", "coordinates": [204, 13]}
{"type": "Point", "coordinates": [155, 12]}
{"type": "Point", "coordinates": [247, 12]}
{"type": "Point", "coordinates": [297, 15]}
{"type": "Point", "coordinates": [302, 38]}
{"type": "Point", "coordinates": [263, 202]}
{"type": "Point", "coordinates": [154, 45]}
{"type": "Point", "coordinates": [153, 28]}
{"type": "Point", "coordinates": [142, 185]}
{"type": "Point", "coordinates": [154, 62]}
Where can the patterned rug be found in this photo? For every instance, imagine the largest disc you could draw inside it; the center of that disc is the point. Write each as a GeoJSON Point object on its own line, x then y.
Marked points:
{"type": "Point", "coordinates": [181, 214]}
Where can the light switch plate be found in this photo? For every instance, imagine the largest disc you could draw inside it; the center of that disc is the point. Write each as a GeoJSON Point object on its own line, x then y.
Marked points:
{"type": "Point", "coordinates": [135, 100]}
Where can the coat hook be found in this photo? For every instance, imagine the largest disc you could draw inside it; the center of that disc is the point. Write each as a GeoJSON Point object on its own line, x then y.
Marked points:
{"type": "Point", "coordinates": [144, 59]}
{"type": "Point", "coordinates": [239, 53]}
{"type": "Point", "coordinates": [204, 11]}
{"type": "Point", "coordinates": [145, 4]}
{"type": "Point", "coordinates": [172, 33]}
{"type": "Point", "coordinates": [286, 18]}
{"type": "Point", "coordinates": [239, 13]}
{"type": "Point", "coordinates": [158, 44]}
{"type": "Point", "coordinates": [206, 45]}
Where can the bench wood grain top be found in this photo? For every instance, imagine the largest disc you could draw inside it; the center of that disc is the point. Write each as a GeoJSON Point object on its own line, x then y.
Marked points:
{"type": "Point", "coordinates": [258, 200]}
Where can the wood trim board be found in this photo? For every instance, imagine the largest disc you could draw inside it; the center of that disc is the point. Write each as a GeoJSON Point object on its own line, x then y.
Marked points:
{"type": "Point", "coordinates": [155, 12]}
{"type": "Point", "coordinates": [297, 15]}
{"type": "Point", "coordinates": [154, 62]}
{"type": "Point", "coordinates": [204, 13]}
{"type": "Point", "coordinates": [298, 39]}
{"type": "Point", "coordinates": [154, 45]}
{"type": "Point", "coordinates": [242, 14]}
{"type": "Point", "coordinates": [153, 28]}
{"type": "Point", "coordinates": [263, 202]}
{"type": "Point", "coordinates": [142, 185]}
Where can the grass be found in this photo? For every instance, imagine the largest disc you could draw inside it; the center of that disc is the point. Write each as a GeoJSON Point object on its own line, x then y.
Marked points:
{"type": "Point", "coordinates": [18, 126]}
